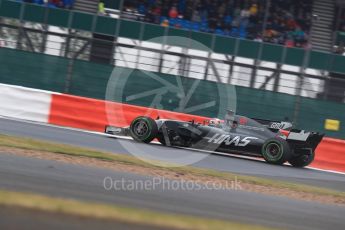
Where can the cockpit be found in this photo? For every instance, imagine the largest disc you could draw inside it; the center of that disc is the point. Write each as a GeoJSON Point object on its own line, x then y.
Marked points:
{"type": "Point", "coordinates": [228, 122]}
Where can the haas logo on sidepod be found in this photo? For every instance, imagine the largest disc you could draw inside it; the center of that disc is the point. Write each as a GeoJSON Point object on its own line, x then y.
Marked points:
{"type": "Point", "coordinates": [228, 140]}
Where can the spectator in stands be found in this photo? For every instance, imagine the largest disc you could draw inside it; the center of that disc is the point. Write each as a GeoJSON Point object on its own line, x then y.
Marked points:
{"type": "Point", "coordinates": [165, 23]}
{"type": "Point", "coordinates": [253, 10]}
{"type": "Point", "coordinates": [187, 14]}
{"type": "Point", "coordinates": [165, 8]}
{"type": "Point", "coordinates": [55, 3]}
{"type": "Point", "coordinates": [196, 16]}
{"type": "Point", "coordinates": [173, 13]}
{"type": "Point", "coordinates": [300, 37]}
{"type": "Point", "coordinates": [157, 12]}
{"type": "Point", "coordinates": [142, 8]}
{"type": "Point", "coordinates": [101, 8]}
{"type": "Point", "coordinates": [150, 16]}
{"type": "Point", "coordinates": [227, 20]}
{"type": "Point", "coordinates": [68, 3]}
{"type": "Point", "coordinates": [258, 38]}
{"type": "Point", "coordinates": [245, 14]}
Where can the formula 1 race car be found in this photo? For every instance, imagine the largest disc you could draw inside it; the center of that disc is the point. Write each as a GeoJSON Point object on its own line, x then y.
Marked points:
{"type": "Point", "coordinates": [236, 135]}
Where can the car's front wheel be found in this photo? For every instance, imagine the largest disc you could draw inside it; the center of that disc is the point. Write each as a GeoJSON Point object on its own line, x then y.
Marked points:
{"type": "Point", "coordinates": [302, 160]}
{"type": "Point", "coordinates": [143, 129]}
{"type": "Point", "coordinates": [276, 151]}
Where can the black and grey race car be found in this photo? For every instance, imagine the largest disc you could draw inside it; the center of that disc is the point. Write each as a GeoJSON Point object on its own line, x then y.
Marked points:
{"type": "Point", "coordinates": [236, 135]}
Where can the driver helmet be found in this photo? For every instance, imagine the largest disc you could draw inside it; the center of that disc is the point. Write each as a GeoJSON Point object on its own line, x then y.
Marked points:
{"type": "Point", "coordinates": [229, 117]}
{"type": "Point", "coordinates": [215, 122]}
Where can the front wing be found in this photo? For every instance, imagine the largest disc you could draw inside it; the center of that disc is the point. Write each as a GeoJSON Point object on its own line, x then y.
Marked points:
{"type": "Point", "coordinates": [117, 131]}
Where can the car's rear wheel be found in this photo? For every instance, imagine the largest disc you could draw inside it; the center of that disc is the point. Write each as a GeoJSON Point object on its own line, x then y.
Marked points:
{"type": "Point", "coordinates": [302, 160]}
{"type": "Point", "coordinates": [143, 129]}
{"type": "Point", "coordinates": [276, 151]}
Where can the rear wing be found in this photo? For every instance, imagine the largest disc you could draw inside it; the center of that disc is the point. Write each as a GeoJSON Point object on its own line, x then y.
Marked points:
{"type": "Point", "coordinates": [275, 125]}
{"type": "Point", "coordinates": [304, 139]}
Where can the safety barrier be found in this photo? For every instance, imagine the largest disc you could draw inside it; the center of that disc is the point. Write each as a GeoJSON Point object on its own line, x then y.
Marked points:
{"type": "Point", "coordinates": [91, 114]}
{"type": "Point", "coordinates": [24, 103]}
{"type": "Point", "coordinates": [330, 155]}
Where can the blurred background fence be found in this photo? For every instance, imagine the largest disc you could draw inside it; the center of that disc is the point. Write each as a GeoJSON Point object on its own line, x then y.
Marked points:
{"type": "Point", "coordinates": [75, 52]}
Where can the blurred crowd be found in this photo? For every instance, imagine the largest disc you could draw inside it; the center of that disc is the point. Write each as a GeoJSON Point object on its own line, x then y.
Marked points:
{"type": "Point", "coordinates": [288, 21]}
{"type": "Point", "coordinates": [52, 3]}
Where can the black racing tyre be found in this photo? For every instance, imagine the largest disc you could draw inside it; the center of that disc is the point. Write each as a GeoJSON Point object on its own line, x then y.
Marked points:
{"type": "Point", "coordinates": [303, 160]}
{"type": "Point", "coordinates": [143, 129]}
{"type": "Point", "coordinates": [276, 151]}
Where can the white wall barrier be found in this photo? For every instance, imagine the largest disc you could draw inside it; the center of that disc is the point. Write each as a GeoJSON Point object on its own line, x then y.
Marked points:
{"type": "Point", "coordinates": [24, 103]}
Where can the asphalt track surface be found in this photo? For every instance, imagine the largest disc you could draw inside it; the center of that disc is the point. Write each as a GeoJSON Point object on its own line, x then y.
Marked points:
{"type": "Point", "coordinates": [221, 163]}
{"type": "Point", "coordinates": [87, 183]}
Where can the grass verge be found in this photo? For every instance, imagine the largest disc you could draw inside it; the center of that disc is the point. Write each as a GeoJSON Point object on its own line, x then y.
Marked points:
{"type": "Point", "coordinates": [30, 144]}
{"type": "Point", "coordinates": [115, 213]}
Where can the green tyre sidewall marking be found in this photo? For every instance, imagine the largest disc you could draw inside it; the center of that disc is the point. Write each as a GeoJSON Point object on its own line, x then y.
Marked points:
{"type": "Point", "coordinates": [148, 124]}
{"type": "Point", "coordinates": [268, 156]}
